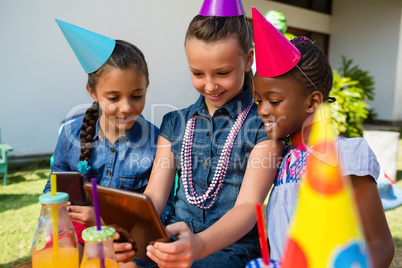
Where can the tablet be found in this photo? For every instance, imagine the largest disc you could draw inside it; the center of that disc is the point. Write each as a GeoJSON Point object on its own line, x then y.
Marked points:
{"type": "Point", "coordinates": [72, 182]}
{"type": "Point", "coordinates": [132, 212]}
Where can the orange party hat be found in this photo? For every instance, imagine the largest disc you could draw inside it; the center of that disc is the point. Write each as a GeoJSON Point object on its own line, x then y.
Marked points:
{"type": "Point", "coordinates": [325, 230]}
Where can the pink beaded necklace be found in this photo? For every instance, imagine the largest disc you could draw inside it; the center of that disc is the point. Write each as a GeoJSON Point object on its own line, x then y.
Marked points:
{"type": "Point", "coordinates": [220, 172]}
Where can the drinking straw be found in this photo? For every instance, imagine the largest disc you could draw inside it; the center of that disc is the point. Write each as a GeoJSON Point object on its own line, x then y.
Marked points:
{"type": "Point", "coordinates": [97, 219]}
{"type": "Point", "coordinates": [261, 233]}
{"type": "Point", "coordinates": [53, 187]}
{"type": "Point", "coordinates": [96, 204]}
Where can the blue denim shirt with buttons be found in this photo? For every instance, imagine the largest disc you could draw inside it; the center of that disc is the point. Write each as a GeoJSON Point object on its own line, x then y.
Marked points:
{"type": "Point", "coordinates": [210, 135]}
{"type": "Point", "coordinates": [126, 164]}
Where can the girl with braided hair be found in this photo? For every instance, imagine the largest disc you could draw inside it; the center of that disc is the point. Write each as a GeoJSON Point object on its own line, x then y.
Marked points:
{"type": "Point", "coordinates": [288, 90]}
{"type": "Point", "coordinates": [114, 143]}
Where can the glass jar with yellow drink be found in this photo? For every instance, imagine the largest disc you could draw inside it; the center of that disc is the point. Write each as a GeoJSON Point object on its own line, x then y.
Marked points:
{"type": "Point", "coordinates": [55, 240]}
{"type": "Point", "coordinates": [98, 249]}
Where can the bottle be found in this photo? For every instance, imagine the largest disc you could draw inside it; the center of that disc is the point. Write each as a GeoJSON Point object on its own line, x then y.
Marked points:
{"type": "Point", "coordinates": [55, 240]}
{"type": "Point", "coordinates": [98, 249]}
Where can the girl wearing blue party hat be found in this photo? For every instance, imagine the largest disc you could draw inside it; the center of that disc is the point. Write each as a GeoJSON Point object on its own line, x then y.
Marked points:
{"type": "Point", "coordinates": [113, 136]}
{"type": "Point", "coordinates": [218, 145]}
{"type": "Point", "coordinates": [293, 79]}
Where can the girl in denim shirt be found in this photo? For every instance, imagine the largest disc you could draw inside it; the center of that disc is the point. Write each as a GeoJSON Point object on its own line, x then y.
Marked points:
{"type": "Point", "coordinates": [219, 148]}
{"type": "Point", "coordinates": [287, 100]}
{"type": "Point", "coordinates": [113, 143]}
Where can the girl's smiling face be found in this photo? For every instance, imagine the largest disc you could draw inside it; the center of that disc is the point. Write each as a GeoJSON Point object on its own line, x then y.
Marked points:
{"type": "Point", "coordinates": [282, 105]}
{"type": "Point", "coordinates": [217, 69]}
{"type": "Point", "coordinates": [121, 97]}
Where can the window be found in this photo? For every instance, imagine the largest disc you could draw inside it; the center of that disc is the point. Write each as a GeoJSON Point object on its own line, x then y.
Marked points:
{"type": "Point", "coordinates": [321, 40]}
{"type": "Point", "coordinates": [317, 5]}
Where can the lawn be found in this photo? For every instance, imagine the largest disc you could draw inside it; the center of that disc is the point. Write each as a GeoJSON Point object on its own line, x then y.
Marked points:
{"type": "Point", "coordinates": [19, 211]}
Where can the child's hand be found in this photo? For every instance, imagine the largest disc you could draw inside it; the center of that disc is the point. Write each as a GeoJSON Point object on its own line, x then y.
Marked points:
{"type": "Point", "coordinates": [124, 251]}
{"type": "Point", "coordinates": [181, 253]}
{"type": "Point", "coordinates": [82, 214]}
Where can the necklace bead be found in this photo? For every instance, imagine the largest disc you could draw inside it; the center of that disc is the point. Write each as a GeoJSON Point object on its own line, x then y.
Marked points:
{"type": "Point", "coordinates": [220, 172]}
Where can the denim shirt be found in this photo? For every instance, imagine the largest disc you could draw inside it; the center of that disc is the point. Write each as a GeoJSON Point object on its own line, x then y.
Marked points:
{"type": "Point", "coordinates": [124, 165]}
{"type": "Point", "coordinates": [210, 135]}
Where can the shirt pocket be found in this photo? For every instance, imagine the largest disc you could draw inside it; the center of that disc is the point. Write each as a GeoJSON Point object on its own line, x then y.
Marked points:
{"type": "Point", "coordinates": [195, 154]}
{"type": "Point", "coordinates": [133, 184]}
{"type": "Point", "coordinates": [238, 157]}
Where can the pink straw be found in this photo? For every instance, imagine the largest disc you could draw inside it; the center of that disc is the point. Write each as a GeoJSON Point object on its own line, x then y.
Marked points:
{"type": "Point", "coordinates": [261, 233]}
{"type": "Point", "coordinates": [96, 204]}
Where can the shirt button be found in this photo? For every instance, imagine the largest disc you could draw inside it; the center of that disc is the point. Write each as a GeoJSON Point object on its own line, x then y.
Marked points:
{"type": "Point", "coordinates": [205, 164]}
{"type": "Point", "coordinates": [109, 173]}
{"type": "Point", "coordinates": [112, 150]}
{"type": "Point", "coordinates": [208, 133]}
{"type": "Point", "coordinates": [203, 192]}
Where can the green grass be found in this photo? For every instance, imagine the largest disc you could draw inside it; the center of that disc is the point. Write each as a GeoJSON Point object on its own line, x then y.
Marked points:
{"type": "Point", "coordinates": [19, 212]}
{"type": "Point", "coordinates": [394, 217]}
{"type": "Point", "coordinates": [394, 220]}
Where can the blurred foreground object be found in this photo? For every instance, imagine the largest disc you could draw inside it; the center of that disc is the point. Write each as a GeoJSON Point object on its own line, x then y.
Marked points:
{"type": "Point", "coordinates": [335, 237]}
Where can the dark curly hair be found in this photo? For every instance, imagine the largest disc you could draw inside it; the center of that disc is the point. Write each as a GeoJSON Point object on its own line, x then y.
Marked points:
{"type": "Point", "coordinates": [315, 65]}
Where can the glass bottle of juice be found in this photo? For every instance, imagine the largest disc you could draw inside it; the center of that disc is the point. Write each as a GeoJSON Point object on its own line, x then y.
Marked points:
{"type": "Point", "coordinates": [55, 240]}
{"type": "Point", "coordinates": [98, 249]}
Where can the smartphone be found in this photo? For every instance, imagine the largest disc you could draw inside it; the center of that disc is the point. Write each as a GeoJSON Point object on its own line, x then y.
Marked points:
{"type": "Point", "coordinates": [72, 182]}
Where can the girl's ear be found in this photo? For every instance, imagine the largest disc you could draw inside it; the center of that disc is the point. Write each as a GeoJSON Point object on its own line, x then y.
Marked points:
{"type": "Point", "coordinates": [315, 100]}
{"type": "Point", "coordinates": [92, 93]}
{"type": "Point", "coordinates": [249, 60]}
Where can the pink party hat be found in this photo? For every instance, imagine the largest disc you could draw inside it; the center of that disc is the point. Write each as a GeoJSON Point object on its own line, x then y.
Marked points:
{"type": "Point", "coordinates": [274, 53]}
{"type": "Point", "coordinates": [91, 49]}
{"type": "Point", "coordinates": [222, 8]}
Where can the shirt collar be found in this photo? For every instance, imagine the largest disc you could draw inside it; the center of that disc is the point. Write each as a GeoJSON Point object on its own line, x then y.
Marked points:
{"type": "Point", "coordinates": [134, 134]}
{"type": "Point", "coordinates": [97, 134]}
{"type": "Point", "coordinates": [233, 107]}
{"type": "Point", "coordinates": [138, 131]}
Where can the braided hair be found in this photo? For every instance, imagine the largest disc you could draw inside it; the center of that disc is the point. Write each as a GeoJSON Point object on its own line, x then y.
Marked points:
{"type": "Point", "coordinates": [315, 71]}
{"type": "Point", "coordinates": [88, 131]}
{"type": "Point", "coordinates": [211, 29]}
{"type": "Point", "coordinates": [125, 56]}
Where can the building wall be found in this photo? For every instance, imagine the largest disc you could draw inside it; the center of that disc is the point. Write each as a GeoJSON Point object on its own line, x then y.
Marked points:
{"type": "Point", "coordinates": [369, 32]}
{"type": "Point", "coordinates": [398, 79]}
{"type": "Point", "coordinates": [295, 16]}
{"type": "Point", "coordinates": [42, 82]}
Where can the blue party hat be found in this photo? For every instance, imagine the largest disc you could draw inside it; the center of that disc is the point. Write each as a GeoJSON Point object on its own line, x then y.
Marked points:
{"type": "Point", "coordinates": [91, 49]}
